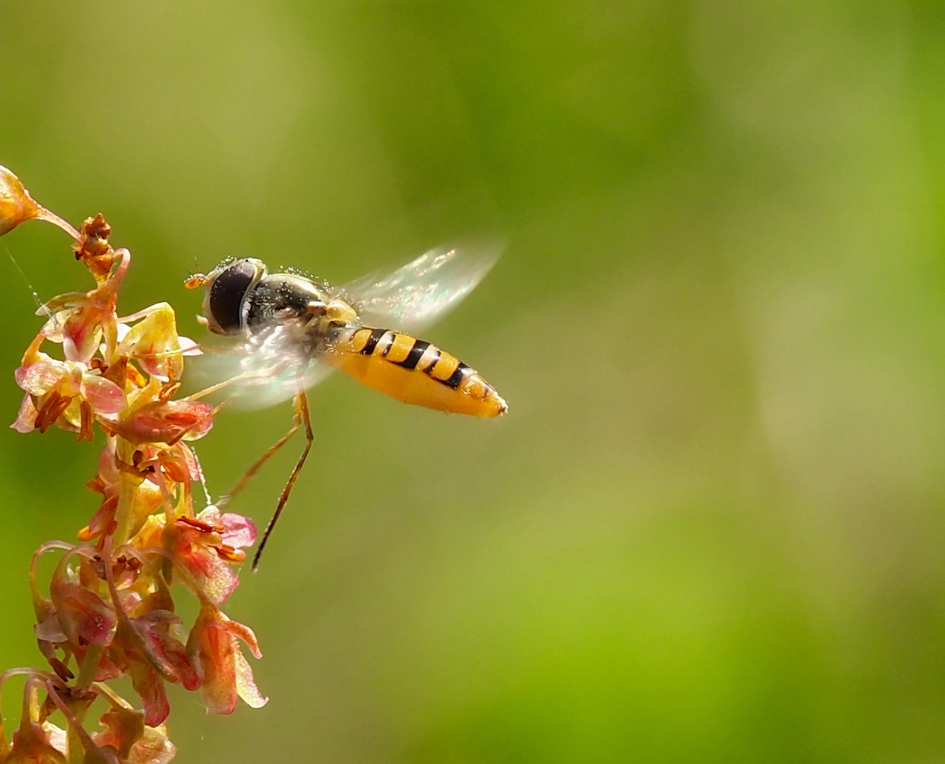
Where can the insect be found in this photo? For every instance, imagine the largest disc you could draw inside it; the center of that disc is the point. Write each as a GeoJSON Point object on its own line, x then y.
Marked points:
{"type": "Point", "coordinates": [292, 330]}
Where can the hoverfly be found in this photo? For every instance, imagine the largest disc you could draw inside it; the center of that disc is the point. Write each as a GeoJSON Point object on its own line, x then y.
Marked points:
{"type": "Point", "coordinates": [292, 330]}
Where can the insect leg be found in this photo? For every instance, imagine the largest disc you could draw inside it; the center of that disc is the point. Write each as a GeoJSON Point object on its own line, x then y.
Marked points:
{"type": "Point", "coordinates": [251, 472]}
{"type": "Point", "coordinates": [301, 417]}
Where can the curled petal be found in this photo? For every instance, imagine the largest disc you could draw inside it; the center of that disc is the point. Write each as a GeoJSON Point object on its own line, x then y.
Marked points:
{"type": "Point", "coordinates": [188, 347]}
{"type": "Point", "coordinates": [214, 648]}
{"type": "Point", "coordinates": [246, 634]}
{"type": "Point", "coordinates": [245, 684]}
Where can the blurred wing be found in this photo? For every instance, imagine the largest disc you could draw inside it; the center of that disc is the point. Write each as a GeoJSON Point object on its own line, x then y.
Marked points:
{"type": "Point", "coordinates": [282, 386]}
{"type": "Point", "coordinates": [416, 295]}
{"type": "Point", "coordinates": [261, 373]}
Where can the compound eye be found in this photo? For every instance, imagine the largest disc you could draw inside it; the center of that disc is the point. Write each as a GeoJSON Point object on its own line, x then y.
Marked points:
{"type": "Point", "coordinates": [226, 295]}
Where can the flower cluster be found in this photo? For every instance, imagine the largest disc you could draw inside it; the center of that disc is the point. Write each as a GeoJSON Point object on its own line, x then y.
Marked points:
{"type": "Point", "coordinates": [109, 610]}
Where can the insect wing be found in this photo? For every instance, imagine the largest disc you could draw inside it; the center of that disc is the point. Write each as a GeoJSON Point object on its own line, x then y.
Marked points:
{"type": "Point", "coordinates": [264, 371]}
{"type": "Point", "coordinates": [281, 386]}
{"type": "Point", "coordinates": [414, 296]}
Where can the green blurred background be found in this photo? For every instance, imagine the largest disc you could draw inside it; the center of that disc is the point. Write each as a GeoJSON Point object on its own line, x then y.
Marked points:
{"type": "Point", "coordinates": [711, 526]}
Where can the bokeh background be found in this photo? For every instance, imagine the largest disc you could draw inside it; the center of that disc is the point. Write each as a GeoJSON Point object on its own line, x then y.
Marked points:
{"type": "Point", "coordinates": [711, 527]}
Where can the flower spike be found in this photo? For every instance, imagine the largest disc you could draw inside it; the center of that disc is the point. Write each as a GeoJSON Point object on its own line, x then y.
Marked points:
{"type": "Point", "coordinates": [109, 610]}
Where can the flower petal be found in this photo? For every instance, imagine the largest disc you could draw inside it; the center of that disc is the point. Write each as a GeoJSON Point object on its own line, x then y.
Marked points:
{"type": "Point", "coordinates": [26, 418]}
{"type": "Point", "coordinates": [245, 684]}
{"type": "Point", "coordinates": [82, 332]}
{"type": "Point", "coordinates": [188, 347]}
{"type": "Point", "coordinates": [103, 395]}
{"type": "Point", "coordinates": [150, 686]}
{"type": "Point", "coordinates": [240, 531]}
{"type": "Point", "coordinates": [42, 376]}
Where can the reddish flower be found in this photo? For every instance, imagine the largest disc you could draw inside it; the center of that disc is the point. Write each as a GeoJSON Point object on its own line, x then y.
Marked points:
{"type": "Point", "coordinates": [154, 628]}
{"type": "Point", "coordinates": [157, 472]}
{"type": "Point", "coordinates": [126, 734]}
{"type": "Point", "coordinates": [34, 744]}
{"type": "Point", "coordinates": [226, 674]}
{"type": "Point", "coordinates": [57, 392]}
{"type": "Point", "coordinates": [82, 320]}
{"type": "Point", "coordinates": [36, 741]}
{"type": "Point", "coordinates": [148, 643]}
{"type": "Point", "coordinates": [205, 544]}
{"type": "Point", "coordinates": [165, 422]}
{"type": "Point", "coordinates": [84, 617]}
{"type": "Point", "coordinates": [154, 343]}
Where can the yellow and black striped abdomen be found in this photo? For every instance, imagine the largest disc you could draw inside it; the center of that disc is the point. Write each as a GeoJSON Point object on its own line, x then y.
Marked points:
{"type": "Point", "coordinates": [413, 371]}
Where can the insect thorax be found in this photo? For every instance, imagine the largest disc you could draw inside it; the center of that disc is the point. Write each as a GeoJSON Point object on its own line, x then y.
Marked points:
{"type": "Point", "coordinates": [283, 297]}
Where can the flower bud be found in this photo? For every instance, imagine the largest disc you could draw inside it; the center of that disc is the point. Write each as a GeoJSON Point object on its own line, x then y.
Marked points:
{"type": "Point", "coordinates": [16, 204]}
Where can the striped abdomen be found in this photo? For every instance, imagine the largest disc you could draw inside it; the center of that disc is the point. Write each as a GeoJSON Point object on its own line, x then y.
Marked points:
{"type": "Point", "coordinates": [413, 371]}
